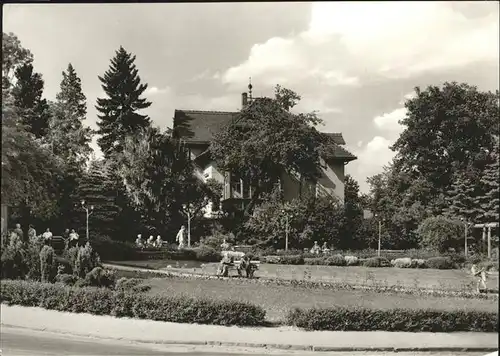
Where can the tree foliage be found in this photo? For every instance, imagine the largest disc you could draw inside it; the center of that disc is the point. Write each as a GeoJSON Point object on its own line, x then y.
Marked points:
{"type": "Point", "coordinates": [158, 175]}
{"type": "Point", "coordinates": [13, 56]}
{"type": "Point", "coordinates": [266, 140]}
{"type": "Point", "coordinates": [33, 110]}
{"type": "Point", "coordinates": [69, 138]}
{"type": "Point", "coordinates": [440, 233]}
{"type": "Point", "coordinates": [118, 111]}
{"type": "Point", "coordinates": [448, 136]}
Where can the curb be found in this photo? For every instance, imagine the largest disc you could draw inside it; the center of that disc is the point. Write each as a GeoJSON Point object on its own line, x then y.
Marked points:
{"type": "Point", "coordinates": [271, 346]}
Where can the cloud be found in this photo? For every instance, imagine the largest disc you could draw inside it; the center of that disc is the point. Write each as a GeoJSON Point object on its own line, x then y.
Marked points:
{"type": "Point", "coordinates": [152, 91]}
{"type": "Point", "coordinates": [346, 40]}
{"type": "Point", "coordinates": [377, 153]}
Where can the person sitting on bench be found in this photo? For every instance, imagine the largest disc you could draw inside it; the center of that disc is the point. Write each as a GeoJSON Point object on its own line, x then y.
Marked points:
{"type": "Point", "coordinates": [246, 266]}
{"type": "Point", "coordinates": [225, 263]}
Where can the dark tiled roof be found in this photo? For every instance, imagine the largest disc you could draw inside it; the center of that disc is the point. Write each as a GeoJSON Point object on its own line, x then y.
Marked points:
{"type": "Point", "coordinates": [200, 127]}
{"type": "Point", "coordinates": [336, 136]}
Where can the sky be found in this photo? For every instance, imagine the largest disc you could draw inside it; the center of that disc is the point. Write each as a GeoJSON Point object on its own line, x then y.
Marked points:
{"type": "Point", "coordinates": [355, 63]}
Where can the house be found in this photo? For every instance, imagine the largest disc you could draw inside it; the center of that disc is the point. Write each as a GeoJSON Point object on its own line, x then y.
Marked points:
{"type": "Point", "coordinates": [197, 128]}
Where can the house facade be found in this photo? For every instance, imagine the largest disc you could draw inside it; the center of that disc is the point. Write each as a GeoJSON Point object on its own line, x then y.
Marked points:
{"type": "Point", "coordinates": [197, 129]}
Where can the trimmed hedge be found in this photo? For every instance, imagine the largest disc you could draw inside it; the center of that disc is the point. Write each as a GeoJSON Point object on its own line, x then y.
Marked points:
{"type": "Point", "coordinates": [439, 263]}
{"type": "Point", "coordinates": [376, 262]}
{"type": "Point", "coordinates": [102, 301]}
{"type": "Point", "coordinates": [358, 319]}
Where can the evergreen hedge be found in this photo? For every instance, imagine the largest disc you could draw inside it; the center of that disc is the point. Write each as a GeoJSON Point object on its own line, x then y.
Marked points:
{"type": "Point", "coordinates": [410, 320]}
{"type": "Point", "coordinates": [102, 301]}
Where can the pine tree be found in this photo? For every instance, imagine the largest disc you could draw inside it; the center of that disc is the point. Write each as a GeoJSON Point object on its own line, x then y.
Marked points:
{"type": "Point", "coordinates": [462, 197]}
{"type": "Point", "coordinates": [489, 201]}
{"type": "Point", "coordinates": [96, 189]}
{"type": "Point", "coordinates": [32, 108]}
{"type": "Point", "coordinates": [119, 115]}
{"type": "Point", "coordinates": [70, 139]}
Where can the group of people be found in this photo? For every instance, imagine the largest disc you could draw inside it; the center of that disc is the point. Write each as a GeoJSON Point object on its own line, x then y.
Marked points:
{"type": "Point", "coordinates": [244, 265]}
{"type": "Point", "coordinates": [150, 242]}
{"type": "Point", "coordinates": [71, 237]}
{"type": "Point", "coordinates": [158, 243]}
{"type": "Point", "coordinates": [317, 250]}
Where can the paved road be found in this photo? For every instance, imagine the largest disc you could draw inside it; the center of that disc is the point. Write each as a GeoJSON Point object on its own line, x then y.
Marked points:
{"type": "Point", "coordinates": [17, 342]}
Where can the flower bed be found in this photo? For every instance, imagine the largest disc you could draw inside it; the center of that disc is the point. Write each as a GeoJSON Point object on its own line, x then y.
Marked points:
{"type": "Point", "coordinates": [332, 286]}
{"type": "Point", "coordinates": [358, 319]}
{"type": "Point", "coordinates": [101, 301]}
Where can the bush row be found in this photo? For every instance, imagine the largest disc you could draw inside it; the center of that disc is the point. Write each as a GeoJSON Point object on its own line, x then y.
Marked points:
{"type": "Point", "coordinates": [102, 301]}
{"type": "Point", "coordinates": [358, 319]}
{"type": "Point", "coordinates": [440, 262]}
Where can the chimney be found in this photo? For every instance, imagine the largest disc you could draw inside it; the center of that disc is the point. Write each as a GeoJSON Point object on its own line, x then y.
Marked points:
{"type": "Point", "coordinates": [244, 100]}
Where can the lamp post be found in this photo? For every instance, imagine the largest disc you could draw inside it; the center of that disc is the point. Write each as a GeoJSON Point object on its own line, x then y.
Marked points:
{"type": "Point", "coordinates": [88, 212]}
{"type": "Point", "coordinates": [286, 228]}
{"type": "Point", "coordinates": [379, 234]}
{"type": "Point", "coordinates": [189, 228]}
{"type": "Point", "coordinates": [466, 248]}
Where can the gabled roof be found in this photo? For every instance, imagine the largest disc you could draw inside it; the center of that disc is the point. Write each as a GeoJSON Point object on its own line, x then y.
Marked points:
{"type": "Point", "coordinates": [199, 127]}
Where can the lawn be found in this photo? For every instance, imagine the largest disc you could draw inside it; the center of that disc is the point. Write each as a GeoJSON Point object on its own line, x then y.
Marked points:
{"type": "Point", "coordinates": [278, 299]}
{"type": "Point", "coordinates": [390, 276]}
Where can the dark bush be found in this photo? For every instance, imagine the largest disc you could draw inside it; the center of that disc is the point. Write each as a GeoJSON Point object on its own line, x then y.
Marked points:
{"type": "Point", "coordinates": [187, 254]}
{"type": "Point", "coordinates": [357, 319]}
{"type": "Point", "coordinates": [66, 279]}
{"type": "Point", "coordinates": [48, 267]}
{"type": "Point", "coordinates": [376, 262]}
{"type": "Point", "coordinates": [439, 263]}
{"type": "Point", "coordinates": [102, 301]}
{"type": "Point", "coordinates": [335, 260]}
{"type": "Point", "coordinates": [207, 254]}
{"type": "Point", "coordinates": [134, 285]}
{"type": "Point", "coordinates": [314, 261]}
{"type": "Point", "coordinates": [291, 260]}
{"type": "Point", "coordinates": [111, 250]}
{"type": "Point", "coordinates": [100, 277]}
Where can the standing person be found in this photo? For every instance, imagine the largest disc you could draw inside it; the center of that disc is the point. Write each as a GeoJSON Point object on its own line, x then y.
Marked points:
{"type": "Point", "coordinates": [47, 237]}
{"type": "Point", "coordinates": [73, 238]}
{"type": "Point", "coordinates": [181, 237]}
{"type": "Point", "coordinates": [19, 232]}
{"type": "Point", "coordinates": [31, 233]}
{"type": "Point", "coordinates": [480, 274]}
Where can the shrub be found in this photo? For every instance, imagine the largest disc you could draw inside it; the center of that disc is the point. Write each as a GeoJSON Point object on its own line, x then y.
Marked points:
{"type": "Point", "coordinates": [133, 285]}
{"type": "Point", "coordinates": [99, 277]}
{"type": "Point", "coordinates": [66, 279]}
{"type": "Point", "coordinates": [412, 320]}
{"type": "Point", "coordinates": [418, 263]}
{"type": "Point", "coordinates": [314, 261]}
{"type": "Point", "coordinates": [13, 258]}
{"type": "Point", "coordinates": [376, 262]}
{"type": "Point", "coordinates": [111, 250]}
{"type": "Point", "coordinates": [207, 254]}
{"type": "Point", "coordinates": [402, 262]}
{"type": "Point", "coordinates": [351, 260]}
{"type": "Point", "coordinates": [439, 263]}
{"type": "Point", "coordinates": [101, 301]}
{"type": "Point", "coordinates": [32, 259]}
{"type": "Point", "coordinates": [272, 259]}
{"type": "Point", "coordinates": [47, 264]}
{"type": "Point", "coordinates": [187, 254]}
{"type": "Point", "coordinates": [292, 260]}
{"type": "Point", "coordinates": [86, 260]}
{"type": "Point", "coordinates": [440, 233]}
{"type": "Point", "coordinates": [335, 260]}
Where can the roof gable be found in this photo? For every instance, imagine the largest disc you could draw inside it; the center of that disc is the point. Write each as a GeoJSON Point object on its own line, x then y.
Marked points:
{"type": "Point", "coordinates": [197, 126]}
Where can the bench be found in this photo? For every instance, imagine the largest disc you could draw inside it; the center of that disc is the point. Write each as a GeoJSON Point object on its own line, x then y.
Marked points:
{"type": "Point", "coordinates": [58, 243]}
{"type": "Point", "coordinates": [236, 267]}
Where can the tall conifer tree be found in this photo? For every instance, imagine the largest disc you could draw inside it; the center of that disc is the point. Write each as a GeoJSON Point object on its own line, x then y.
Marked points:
{"type": "Point", "coordinates": [119, 110]}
